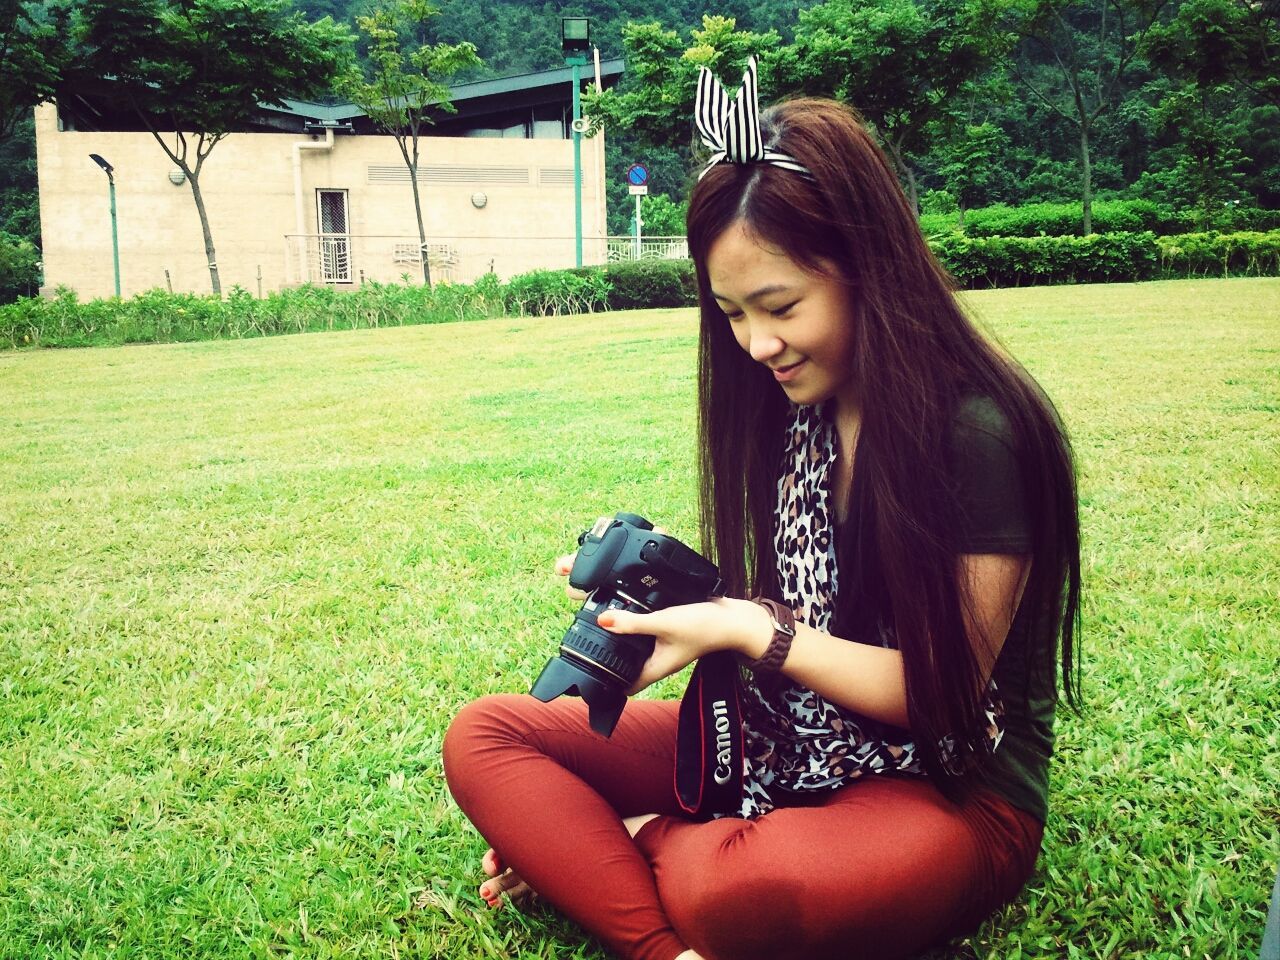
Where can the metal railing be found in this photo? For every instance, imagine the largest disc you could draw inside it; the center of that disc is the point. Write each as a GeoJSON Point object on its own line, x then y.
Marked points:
{"type": "Point", "coordinates": [621, 249]}
{"type": "Point", "coordinates": [357, 258]}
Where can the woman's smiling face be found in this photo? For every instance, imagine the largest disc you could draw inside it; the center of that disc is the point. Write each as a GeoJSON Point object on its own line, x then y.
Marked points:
{"type": "Point", "coordinates": [797, 324]}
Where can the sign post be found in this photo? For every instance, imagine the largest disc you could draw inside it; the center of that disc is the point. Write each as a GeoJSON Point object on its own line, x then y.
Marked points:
{"type": "Point", "coordinates": [637, 184]}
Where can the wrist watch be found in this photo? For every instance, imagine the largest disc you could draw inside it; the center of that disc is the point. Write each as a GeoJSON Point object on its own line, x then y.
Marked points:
{"type": "Point", "coordinates": [784, 631]}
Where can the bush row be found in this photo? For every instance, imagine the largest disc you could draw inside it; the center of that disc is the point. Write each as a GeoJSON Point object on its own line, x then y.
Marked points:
{"type": "Point", "coordinates": [975, 262]}
{"type": "Point", "coordinates": [1109, 216]}
{"type": "Point", "coordinates": [1106, 257]}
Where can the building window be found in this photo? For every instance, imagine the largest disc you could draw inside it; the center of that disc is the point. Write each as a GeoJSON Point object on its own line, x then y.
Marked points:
{"type": "Point", "coordinates": [335, 236]}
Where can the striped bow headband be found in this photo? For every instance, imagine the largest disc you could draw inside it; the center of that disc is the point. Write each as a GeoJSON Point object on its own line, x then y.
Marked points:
{"type": "Point", "coordinates": [731, 129]}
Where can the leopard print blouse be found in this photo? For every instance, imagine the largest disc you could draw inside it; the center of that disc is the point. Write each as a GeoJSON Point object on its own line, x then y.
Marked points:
{"type": "Point", "coordinates": [795, 740]}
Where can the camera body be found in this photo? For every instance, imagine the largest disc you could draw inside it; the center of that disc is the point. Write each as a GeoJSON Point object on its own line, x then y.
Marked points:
{"type": "Point", "coordinates": [622, 564]}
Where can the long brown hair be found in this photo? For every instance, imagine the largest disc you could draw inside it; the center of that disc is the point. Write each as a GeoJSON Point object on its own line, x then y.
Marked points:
{"type": "Point", "coordinates": [915, 355]}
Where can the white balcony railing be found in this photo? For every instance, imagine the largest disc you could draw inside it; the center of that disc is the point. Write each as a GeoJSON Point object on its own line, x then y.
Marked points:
{"type": "Point", "coordinates": [356, 259]}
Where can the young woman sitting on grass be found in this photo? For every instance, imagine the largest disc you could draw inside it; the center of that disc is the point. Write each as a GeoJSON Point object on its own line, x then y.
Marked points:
{"type": "Point", "coordinates": [905, 491]}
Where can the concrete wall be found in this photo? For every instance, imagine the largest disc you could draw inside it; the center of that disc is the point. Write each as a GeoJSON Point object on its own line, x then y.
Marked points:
{"type": "Point", "coordinates": [248, 187]}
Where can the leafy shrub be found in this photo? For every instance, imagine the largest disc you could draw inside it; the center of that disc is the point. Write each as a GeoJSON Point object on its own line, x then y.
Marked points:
{"type": "Point", "coordinates": [543, 292]}
{"type": "Point", "coordinates": [644, 284]}
{"type": "Point", "coordinates": [157, 316]}
{"type": "Point", "coordinates": [19, 268]}
{"type": "Point", "coordinates": [1024, 261]}
{"type": "Point", "coordinates": [1066, 219]}
{"type": "Point", "coordinates": [1220, 254]}
{"type": "Point", "coordinates": [1109, 257]}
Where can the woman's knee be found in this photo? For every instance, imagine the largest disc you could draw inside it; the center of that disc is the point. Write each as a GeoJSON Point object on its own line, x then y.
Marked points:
{"type": "Point", "coordinates": [479, 726]}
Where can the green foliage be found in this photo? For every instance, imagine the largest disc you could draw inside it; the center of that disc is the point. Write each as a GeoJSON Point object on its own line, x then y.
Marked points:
{"type": "Point", "coordinates": [19, 268]}
{"type": "Point", "coordinates": [978, 262]}
{"type": "Point", "coordinates": [655, 99]}
{"type": "Point", "coordinates": [662, 216]}
{"type": "Point", "coordinates": [19, 189]}
{"type": "Point", "coordinates": [1215, 42]}
{"type": "Point", "coordinates": [972, 158]}
{"type": "Point", "coordinates": [1063, 219]}
{"type": "Point", "coordinates": [899, 62]}
{"type": "Point", "coordinates": [161, 317]}
{"type": "Point", "coordinates": [645, 284]}
{"type": "Point", "coordinates": [207, 65]}
{"type": "Point", "coordinates": [1220, 254]}
{"type": "Point", "coordinates": [1207, 175]}
{"type": "Point", "coordinates": [553, 292]}
{"type": "Point", "coordinates": [405, 84]}
{"type": "Point", "coordinates": [33, 55]}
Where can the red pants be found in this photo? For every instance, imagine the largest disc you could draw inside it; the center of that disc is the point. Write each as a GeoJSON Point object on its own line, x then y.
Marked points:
{"type": "Point", "coordinates": [884, 867]}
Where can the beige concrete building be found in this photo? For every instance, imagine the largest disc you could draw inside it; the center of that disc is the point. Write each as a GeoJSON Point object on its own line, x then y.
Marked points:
{"type": "Point", "coordinates": [315, 194]}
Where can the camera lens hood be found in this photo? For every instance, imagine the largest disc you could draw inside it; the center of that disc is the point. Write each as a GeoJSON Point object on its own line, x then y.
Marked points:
{"type": "Point", "coordinates": [604, 698]}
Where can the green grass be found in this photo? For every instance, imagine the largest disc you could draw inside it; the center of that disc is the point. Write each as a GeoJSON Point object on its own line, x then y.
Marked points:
{"type": "Point", "coordinates": [244, 585]}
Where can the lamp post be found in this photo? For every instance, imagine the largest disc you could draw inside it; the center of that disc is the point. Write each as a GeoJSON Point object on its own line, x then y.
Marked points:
{"type": "Point", "coordinates": [115, 241]}
{"type": "Point", "coordinates": [575, 35]}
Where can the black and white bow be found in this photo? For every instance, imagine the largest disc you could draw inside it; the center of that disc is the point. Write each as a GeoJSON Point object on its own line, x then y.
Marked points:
{"type": "Point", "coordinates": [731, 128]}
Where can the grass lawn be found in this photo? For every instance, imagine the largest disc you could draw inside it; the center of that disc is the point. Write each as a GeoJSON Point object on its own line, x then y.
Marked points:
{"type": "Point", "coordinates": [244, 585]}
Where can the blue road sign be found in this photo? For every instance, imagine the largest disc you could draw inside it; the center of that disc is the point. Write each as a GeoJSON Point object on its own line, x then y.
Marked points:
{"type": "Point", "coordinates": [637, 175]}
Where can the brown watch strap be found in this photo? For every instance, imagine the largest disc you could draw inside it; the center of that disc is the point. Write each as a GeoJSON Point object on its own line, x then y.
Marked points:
{"type": "Point", "coordinates": [784, 631]}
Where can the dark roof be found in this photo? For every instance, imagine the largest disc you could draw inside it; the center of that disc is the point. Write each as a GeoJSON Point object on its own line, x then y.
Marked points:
{"type": "Point", "coordinates": [478, 103]}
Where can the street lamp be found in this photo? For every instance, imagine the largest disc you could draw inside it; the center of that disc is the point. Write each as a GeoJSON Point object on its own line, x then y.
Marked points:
{"type": "Point", "coordinates": [115, 241]}
{"type": "Point", "coordinates": [575, 37]}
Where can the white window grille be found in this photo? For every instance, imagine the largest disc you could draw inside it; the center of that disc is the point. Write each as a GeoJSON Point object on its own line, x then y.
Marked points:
{"type": "Point", "coordinates": [335, 238]}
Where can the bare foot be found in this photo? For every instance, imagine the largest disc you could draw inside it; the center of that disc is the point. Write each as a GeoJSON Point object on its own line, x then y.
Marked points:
{"type": "Point", "coordinates": [503, 880]}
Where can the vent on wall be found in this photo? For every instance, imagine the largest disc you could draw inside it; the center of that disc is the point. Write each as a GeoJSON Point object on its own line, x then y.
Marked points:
{"type": "Point", "coordinates": [555, 176]}
{"type": "Point", "coordinates": [450, 173]}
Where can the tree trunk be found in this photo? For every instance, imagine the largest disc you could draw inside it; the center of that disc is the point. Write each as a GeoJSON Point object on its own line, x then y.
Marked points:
{"type": "Point", "coordinates": [906, 175]}
{"type": "Point", "coordinates": [1086, 170]}
{"type": "Point", "coordinates": [422, 230]}
{"type": "Point", "coordinates": [913, 191]}
{"type": "Point", "coordinates": [210, 255]}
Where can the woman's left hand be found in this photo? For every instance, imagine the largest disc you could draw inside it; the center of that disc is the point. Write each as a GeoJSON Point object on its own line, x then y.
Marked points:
{"type": "Point", "coordinates": [683, 634]}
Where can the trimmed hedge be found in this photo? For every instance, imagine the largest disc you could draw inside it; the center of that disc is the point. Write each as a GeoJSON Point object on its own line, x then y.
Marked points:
{"type": "Point", "coordinates": [1105, 257]}
{"type": "Point", "coordinates": [647, 284]}
{"type": "Point", "coordinates": [1065, 219]}
{"type": "Point", "coordinates": [975, 262]}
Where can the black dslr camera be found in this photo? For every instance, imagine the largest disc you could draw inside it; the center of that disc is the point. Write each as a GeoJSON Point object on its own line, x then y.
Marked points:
{"type": "Point", "coordinates": [623, 565]}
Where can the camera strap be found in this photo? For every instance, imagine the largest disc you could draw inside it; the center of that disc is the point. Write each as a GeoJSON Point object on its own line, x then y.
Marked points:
{"type": "Point", "coordinates": [709, 745]}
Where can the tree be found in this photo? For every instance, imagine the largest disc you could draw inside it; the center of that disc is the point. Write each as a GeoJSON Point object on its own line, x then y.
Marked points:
{"type": "Point", "coordinates": [193, 71]}
{"type": "Point", "coordinates": [1091, 51]}
{"type": "Point", "coordinates": [32, 56]}
{"type": "Point", "coordinates": [971, 164]}
{"type": "Point", "coordinates": [1215, 42]}
{"type": "Point", "coordinates": [405, 84]}
{"type": "Point", "coordinates": [19, 189]}
{"type": "Point", "coordinates": [655, 100]}
{"type": "Point", "coordinates": [904, 64]}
